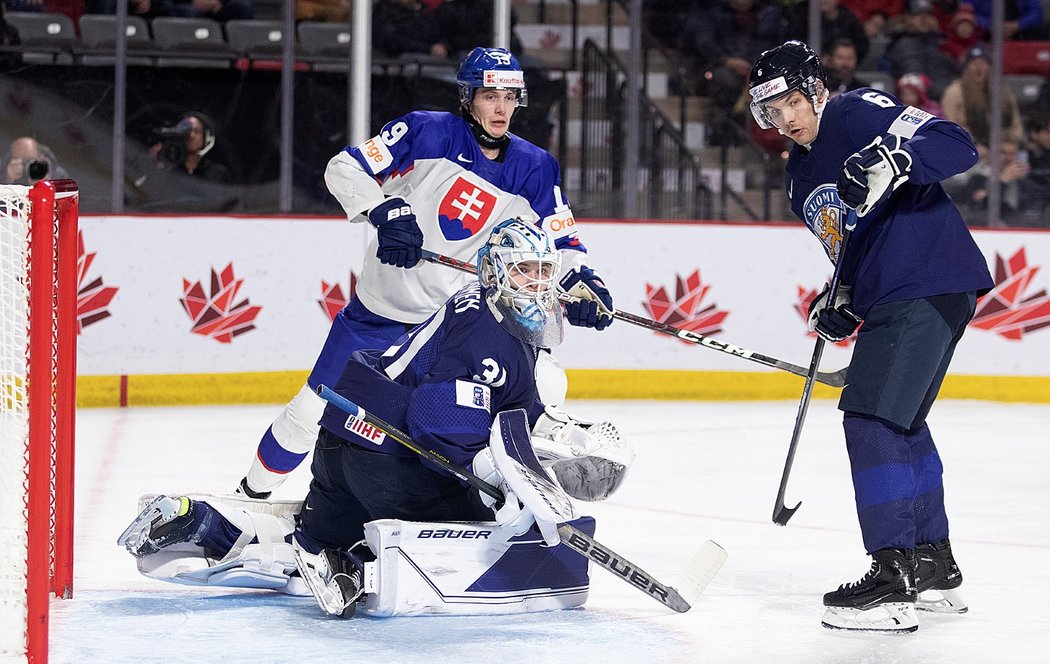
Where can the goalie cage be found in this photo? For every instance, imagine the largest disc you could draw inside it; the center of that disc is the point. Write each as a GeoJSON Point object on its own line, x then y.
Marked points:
{"type": "Point", "coordinates": [38, 331]}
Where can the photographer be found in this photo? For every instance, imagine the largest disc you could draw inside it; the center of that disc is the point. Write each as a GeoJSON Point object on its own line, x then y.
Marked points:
{"type": "Point", "coordinates": [183, 148]}
{"type": "Point", "coordinates": [28, 162]}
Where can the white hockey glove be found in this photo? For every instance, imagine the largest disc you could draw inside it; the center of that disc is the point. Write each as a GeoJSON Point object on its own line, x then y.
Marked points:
{"type": "Point", "coordinates": [510, 514]}
{"type": "Point", "coordinates": [836, 322]}
{"type": "Point", "coordinates": [589, 460]}
{"type": "Point", "coordinates": [871, 174]}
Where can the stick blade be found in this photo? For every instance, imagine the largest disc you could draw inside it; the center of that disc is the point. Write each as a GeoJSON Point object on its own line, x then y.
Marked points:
{"type": "Point", "coordinates": [700, 570]}
{"type": "Point", "coordinates": [781, 513]}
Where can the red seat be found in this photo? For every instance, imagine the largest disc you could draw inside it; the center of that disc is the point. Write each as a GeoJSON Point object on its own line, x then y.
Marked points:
{"type": "Point", "coordinates": [1026, 57]}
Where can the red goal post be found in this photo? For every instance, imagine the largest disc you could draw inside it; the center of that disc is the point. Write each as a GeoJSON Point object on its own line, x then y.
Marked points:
{"type": "Point", "coordinates": [38, 333]}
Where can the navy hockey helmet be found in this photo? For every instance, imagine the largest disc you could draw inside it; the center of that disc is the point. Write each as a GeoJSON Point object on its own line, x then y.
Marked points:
{"type": "Point", "coordinates": [781, 70]}
{"type": "Point", "coordinates": [490, 68]}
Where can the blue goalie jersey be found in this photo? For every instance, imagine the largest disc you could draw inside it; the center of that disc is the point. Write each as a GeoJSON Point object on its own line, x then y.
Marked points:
{"type": "Point", "coordinates": [442, 383]}
{"type": "Point", "coordinates": [913, 245]}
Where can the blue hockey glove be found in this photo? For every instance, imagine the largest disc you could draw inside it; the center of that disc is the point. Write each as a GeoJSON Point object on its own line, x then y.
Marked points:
{"type": "Point", "coordinates": [400, 240]}
{"type": "Point", "coordinates": [871, 174]}
{"type": "Point", "coordinates": [837, 322]}
{"type": "Point", "coordinates": [593, 306]}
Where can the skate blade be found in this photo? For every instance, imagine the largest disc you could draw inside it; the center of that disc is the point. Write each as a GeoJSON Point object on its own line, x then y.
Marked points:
{"type": "Point", "coordinates": [161, 510]}
{"type": "Point", "coordinates": [314, 569]}
{"type": "Point", "coordinates": [894, 618]}
{"type": "Point", "coordinates": [941, 601]}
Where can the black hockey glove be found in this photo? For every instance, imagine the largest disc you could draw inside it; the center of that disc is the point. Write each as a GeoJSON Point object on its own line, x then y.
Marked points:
{"type": "Point", "coordinates": [593, 306]}
{"type": "Point", "coordinates": [836, 322]}
{"type": "Point", "coordinates": [400, 240]}
{"type": "Point", "coordinates": [871, 174]}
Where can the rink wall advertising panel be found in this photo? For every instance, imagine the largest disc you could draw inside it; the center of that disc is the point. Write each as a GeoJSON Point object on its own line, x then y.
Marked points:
{"type": "Point", "coordinates": [235, 309]}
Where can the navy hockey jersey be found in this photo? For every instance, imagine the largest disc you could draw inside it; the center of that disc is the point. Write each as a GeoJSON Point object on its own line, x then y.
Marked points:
{"type": "Point", "coordinates": [442, 383]}
{"type": "Point", "coordinates": [915, 244]}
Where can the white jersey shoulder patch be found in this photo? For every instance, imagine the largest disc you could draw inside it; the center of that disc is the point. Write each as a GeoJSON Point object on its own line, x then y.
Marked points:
{"type": "Point", "coordinates": [910, 120]}
{"type": "Point", "coordinates": [473, 395]}
{"type": "Point", "coordinates": [377, 154]}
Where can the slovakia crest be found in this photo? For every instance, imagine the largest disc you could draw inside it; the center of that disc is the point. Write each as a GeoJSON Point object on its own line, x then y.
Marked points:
{"type": "Point", "coordinates": [465, 210]}
{"type": "Point", "coordinates": [824, 214]}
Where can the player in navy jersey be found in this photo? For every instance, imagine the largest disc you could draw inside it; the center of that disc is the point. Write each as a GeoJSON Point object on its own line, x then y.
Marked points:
{"type": "Point", "coordinates": [910, 276]}
{"type": "Point", "coordinates": [438, 181]}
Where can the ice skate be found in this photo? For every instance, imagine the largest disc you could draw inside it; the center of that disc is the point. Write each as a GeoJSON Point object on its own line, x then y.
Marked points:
{"type": "Point", "coordinates": [333, 577]}
{"type": "Point", "coordinates": [937, 578]}
{"type": "Point", "coordinates": [883, 600]}
{"type": "Point", "coordinates": [165, 521]}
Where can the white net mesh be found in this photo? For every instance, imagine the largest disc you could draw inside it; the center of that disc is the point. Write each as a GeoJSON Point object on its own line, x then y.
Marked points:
{"type": "Point", "coordinates": [14, 411]}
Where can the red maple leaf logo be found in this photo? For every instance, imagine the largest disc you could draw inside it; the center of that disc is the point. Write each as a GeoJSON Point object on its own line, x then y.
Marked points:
{"type": "Point", "coordinates": [332, 299]}
{"type": "Point", "coordinates": [216, 316]}
{"type": "Point", "coordinates": [93, 297]}
{"type": "Point", "coordinates": [686, 311]}
{"type": "Point", "coordinates": [1005, 310]}
{"type": "Point", "coordinates": [805, 298]}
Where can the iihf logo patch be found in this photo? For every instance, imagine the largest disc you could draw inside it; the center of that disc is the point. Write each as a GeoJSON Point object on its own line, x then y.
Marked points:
{"type": "Point", "coordinates": [823, 213]}
{"type": "Point", "coordinates": [465, 210]}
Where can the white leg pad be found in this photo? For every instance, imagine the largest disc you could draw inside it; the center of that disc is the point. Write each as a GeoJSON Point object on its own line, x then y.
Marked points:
{"type": "Point", "coordinates": [469, 568]}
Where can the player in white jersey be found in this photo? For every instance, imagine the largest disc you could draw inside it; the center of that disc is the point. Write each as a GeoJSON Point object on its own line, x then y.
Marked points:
{"type": "Point", "coordinates": [441, 182]}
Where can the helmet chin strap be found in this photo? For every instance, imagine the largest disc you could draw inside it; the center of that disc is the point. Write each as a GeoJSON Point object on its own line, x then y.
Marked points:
{"type": "Point", "coordinates": [484, 139]}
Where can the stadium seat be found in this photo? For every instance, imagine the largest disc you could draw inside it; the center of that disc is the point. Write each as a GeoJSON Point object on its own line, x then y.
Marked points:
{"type": "Point", "coordinates": [324, 40]}
{"type": "Point", "coordinates": [98, 37]}
{"type": "Point", "coordinates": [879, 80]}
{"type": "Point", "coordinates": [46, 38]}
{"type": "Point", "coordinates": [1026, 57]}
{"type": "Point", "coordinates": [253, 38]}
{"type": "Point", "coordinates": [191, 42]}
{"type": "Point", "coordinates": [1025, 88]}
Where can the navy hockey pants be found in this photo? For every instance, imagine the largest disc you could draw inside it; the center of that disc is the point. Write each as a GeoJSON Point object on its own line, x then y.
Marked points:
{"type": "Point", "coordinates": [902, 355]}
{"type": "Point", "coordinates": [352, 486]}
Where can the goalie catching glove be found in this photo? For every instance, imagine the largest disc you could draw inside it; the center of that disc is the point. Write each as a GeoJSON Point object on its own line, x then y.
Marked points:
{"type": "Point", "coordinates": [593, 306]}
{"type": "Point", "coordinates": [590, 461]}
{"type": "Point", "coordinates": [400, 240]}
{"type": "Point", "coordinates": [871, 174]}
{"type": "Point", "coordinates": [837, 321]}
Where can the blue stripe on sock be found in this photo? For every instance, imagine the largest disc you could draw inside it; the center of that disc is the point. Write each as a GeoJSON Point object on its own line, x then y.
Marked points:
{"type": "Point", "coordinates": [275, 458]}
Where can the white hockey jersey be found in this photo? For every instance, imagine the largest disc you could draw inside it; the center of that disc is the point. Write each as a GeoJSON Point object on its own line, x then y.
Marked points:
{"type": "Point", "coordinates": [433, 161]}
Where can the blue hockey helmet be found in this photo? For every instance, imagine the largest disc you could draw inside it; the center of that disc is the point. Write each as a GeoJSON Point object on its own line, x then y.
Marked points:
{"type": "Point", "coordinates": [779, 71]}
{"type": "Point", "coordinates": [490, 68]}
{"type": "Point", "coordinates": [518, 267]}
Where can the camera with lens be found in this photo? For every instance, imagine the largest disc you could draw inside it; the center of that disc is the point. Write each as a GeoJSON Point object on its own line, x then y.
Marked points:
{"type": "Point", "coordinates": [172, 141]}
{"type": "Point", "coordinates": [36, 170]}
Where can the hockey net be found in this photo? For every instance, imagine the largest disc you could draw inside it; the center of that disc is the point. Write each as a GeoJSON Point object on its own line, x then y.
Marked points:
{"type": "Point", "coordinates": [38, 282]}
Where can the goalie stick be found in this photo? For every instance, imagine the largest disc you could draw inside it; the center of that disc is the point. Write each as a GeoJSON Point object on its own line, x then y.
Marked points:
{"type": "Point", "coordinates": [781, 513]}
{"type": "Point", "coordinates": [701, 568]}
{"type": "Point", "coordinates": [834, 378]}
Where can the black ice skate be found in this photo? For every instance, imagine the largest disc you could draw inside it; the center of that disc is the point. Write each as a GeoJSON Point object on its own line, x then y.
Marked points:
{"type": "Point", "coordinates": [165, 521]}
{"type": "Point", "coordinates": [335, 578]}
{"type": "Point", "coordinates": [883, 600]}
{"type": "Point", "coordinates": [936, 578]}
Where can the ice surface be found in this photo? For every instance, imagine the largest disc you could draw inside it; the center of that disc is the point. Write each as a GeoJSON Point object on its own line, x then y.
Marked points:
{"type": "Point", "coordinates": [704, 471]}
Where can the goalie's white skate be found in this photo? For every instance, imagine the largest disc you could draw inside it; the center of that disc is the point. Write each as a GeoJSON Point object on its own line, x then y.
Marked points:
{"type": "Point", "coordinates": [146, 533]}
{"type": "Point", "coordinates": [334, 579]}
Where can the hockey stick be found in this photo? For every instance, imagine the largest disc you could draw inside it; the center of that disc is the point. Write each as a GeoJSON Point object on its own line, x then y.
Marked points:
{"type": "Point", "coordinates": [703, 566]}
{"type": "Point", "coordinates": [834, 379]}
{"type": "Point", "coordinates": [781, 513]}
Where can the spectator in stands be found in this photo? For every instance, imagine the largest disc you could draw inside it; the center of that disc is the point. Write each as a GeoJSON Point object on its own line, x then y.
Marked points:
{"type": "Point", "coordinates": [467, 23]}
{"type": "Point", "coordinates": [866, 10]}
{"type": "Point", "coordinates": [406, 26]}
{"type": "Point", "coordinates": [913, 88]}
{"type": "Point", "coordinates": [915, 47]}
{"type": "Point", "coordinates": [28, 162]}
{"type": "Point", "coordinates": [1023, 19]}
{"type": "Point", "coordinates": [724, 39]}
{"type": "Point", "coordinates": [837, 22]}
{"type": "Point", "coordinates": [219, 10]}
{"type": "Point", "coordinates": [184, 148]}
{"type": "Point", "coordinates": [840, 62]}
{"type": "Point", "coordinates": [969, 190]}
{"type": "Point", "coordinates": [145, 8]}
{"type": "Point", "coordinates": [1035, 189]}
{"type": "Point", "coordinates": [334, 11]}
{"type": "Point", "coordinates": [967, 101]}
{"type": "Point", "coordinates": [963, 33]}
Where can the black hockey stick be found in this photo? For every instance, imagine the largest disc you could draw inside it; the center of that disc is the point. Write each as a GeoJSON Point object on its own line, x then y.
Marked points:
{"type": "Point", "coordinates": [699, 572]}
{"type": "Point", "coordinates": [834, 379]}
{"type": "Point", "coordinates": [781, 513]}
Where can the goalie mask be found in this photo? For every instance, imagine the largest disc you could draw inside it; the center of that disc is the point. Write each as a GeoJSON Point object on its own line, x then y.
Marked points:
{"type": "Point", "coordinates": [779, 72]}
{"type": "Point", "coordinates": [518, 269]}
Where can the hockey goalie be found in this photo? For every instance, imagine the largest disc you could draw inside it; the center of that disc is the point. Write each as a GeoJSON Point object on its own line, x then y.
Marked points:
{"type": "Point", "coordinates": [383, 529]}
